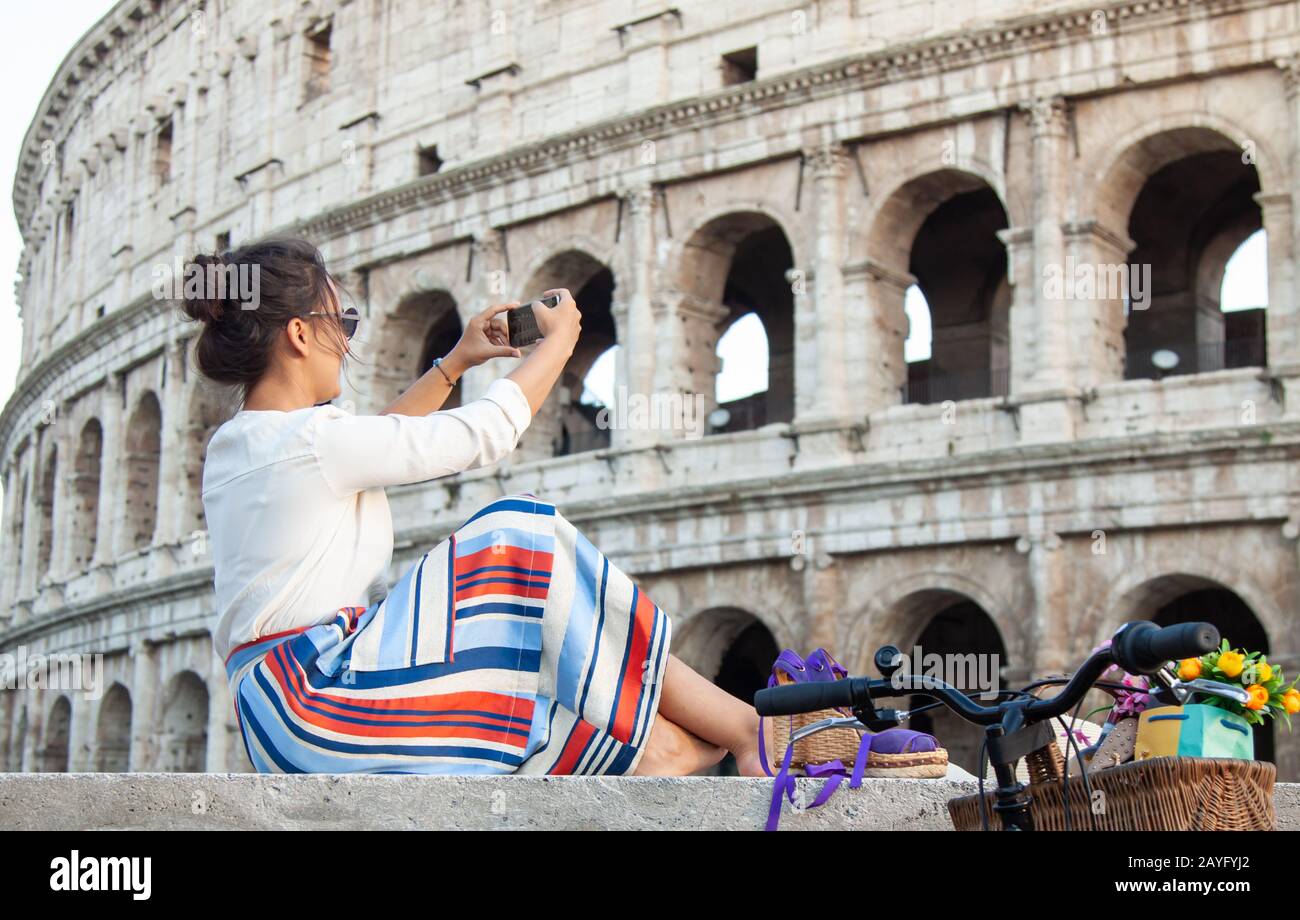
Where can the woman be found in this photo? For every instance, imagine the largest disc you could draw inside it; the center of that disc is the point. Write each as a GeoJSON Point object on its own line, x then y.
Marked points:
{"type": "Point", "coordinates": [514, 646]}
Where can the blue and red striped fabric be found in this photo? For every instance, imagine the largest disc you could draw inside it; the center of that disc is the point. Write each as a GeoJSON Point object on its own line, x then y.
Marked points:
{"type": "Point", "coordinates": [514, 646]}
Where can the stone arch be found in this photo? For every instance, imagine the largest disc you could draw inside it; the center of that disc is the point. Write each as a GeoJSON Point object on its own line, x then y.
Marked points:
{"type": "Point", "coordinates": [1147, 588]}
{"type": "Point", "coordinates": [183, 738]}
{"type": "Point", "coordinates": [1184, 190]}
{"type": "Point", "coordinates": [564, 424]}
{"type": "Point", "coordinates": [732, 264]}
{"type": "Point", "coordinates": [1124, 161]}
{"type": "Point", "coordinates": [940, 619]}
{"type": "Point", "coordinates": [900, 609]}
{"type": "Point", "coordinates": [45, 501]}
{"type": "Point", "coordinates": [209, 408]}
{"type": "Point", "coordinates": [58, 728]}
{"type": "Point", "coordinates": [940, 229]}
{"type": "Point", "coordinates": [85, 493]}
{"type": "Point", "coordinates": [143, 452]}
{"type": "Point", "coordinates": [420, 322]}
{"type": "Point", "coordinates": [113, 731]}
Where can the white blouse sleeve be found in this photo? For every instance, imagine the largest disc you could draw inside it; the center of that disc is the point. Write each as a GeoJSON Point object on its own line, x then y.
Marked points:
{"type": "Point", "coordinates": [357, 452]}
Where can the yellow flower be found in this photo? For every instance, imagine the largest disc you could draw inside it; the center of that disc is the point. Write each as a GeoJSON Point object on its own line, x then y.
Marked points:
{"type": "Point", "coordinates": [1263, 671]}
{"type": "Point", "coordinates": [1231, 663]}
{"type": "Point", "coordinates": [1291, 700]}
{"type": "Point", "coordinates": [1258, 697]}
{"type": "Point", "coordinates": [1189, 668]}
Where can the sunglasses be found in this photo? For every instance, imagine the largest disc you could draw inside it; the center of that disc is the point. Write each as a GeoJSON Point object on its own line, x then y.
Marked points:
{"type": "Point", "coordinates": [348, 317]}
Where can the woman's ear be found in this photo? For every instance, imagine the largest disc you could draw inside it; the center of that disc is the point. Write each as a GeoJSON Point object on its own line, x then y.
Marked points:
{"type": "Point", "coordinates": [297, 334]}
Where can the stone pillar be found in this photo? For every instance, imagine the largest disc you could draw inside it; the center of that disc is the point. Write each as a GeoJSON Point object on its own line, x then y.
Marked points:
{"type": "Point", "coordinates": [1051, 359]}
{"type": "Point", "coordinates": [821, 377]}
{"type": "Point", "coordinates": [107, 532]}
{"type": "Point", "coordinates": [686, 360]}
{"type": "Point", "coordinates": [171, 460]}
{"type": "Point", "coordinates": [1049, 589]}
{"type": "Point", "coordinates": [1282, 222]}
{"type": "Point", "coordinates": [878, 381]}
{"type": "Point", "coordinates": [1097, 318]}
{"type": "Point", "coordinates": [9, 553]}
{"type": "Point", "coordinates": [645, 42]}
{"type": "Point", "coordinates": [634, 315]}
{"type": "Point", "coordinates": [64, 500]}
{"type": "Point", "coordinates": [144, 707]}
{"type": "Point", "coordinates": [81, 732]}
{"type": "Point", "coordinates": [32, 517]}
{"type": "Point", "coordinates": [489, 281]}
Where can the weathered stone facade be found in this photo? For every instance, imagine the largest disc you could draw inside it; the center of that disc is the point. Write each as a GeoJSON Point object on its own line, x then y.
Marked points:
{"type": "Point", "coordinates": [1023, 492]}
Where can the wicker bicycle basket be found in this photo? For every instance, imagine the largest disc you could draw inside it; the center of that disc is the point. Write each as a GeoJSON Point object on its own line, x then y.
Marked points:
{"type": "Point", "coordinates": [1163, 793]}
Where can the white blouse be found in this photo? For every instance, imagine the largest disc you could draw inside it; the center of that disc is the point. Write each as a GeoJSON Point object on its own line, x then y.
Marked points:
{"type": "Point", "coordinates": [298, 522]}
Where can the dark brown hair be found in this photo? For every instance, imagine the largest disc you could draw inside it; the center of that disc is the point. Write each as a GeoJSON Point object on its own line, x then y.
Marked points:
{"type": "Point", "coordinates": [239, 333]}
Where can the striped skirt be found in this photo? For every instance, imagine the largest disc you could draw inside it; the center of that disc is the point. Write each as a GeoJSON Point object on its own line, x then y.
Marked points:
{"type": "Point", "coordinates": [514, 646]}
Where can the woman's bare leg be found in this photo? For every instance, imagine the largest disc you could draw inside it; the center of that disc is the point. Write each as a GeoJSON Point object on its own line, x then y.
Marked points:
{"type": "Point", "coordinates": [707, 711]}
{"type": "Point", "coordinates": [673, 751]}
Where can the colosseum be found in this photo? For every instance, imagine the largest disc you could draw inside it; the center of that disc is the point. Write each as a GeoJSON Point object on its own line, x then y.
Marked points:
{"type": "Point", "coordinates": [1066, 457]}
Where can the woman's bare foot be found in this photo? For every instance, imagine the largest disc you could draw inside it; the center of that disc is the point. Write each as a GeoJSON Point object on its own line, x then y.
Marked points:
{"type": "Point", "coordinates": [673, 751]}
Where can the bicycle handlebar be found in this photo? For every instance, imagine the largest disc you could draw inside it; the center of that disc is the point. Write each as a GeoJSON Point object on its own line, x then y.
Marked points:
{"type": "Point", "coordinates": [1140, 648]}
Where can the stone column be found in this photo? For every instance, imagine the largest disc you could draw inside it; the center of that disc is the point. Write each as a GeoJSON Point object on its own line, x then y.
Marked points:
{"type": "Point", "coordinates": [9, 553]}
{"type": "Point", "coordinates": [634, 315]}
{"type": "Point", "coordinates": [171, 461]}
{"type": "Point", "coordinates": [1051, 363]}
{"type": "Point", "coordinates": [64, 499]}
{"type": "Point", "coordinates": [1049, 588]}
{"type": "Point", "coordinates": [686, 361]}
{"type": "Point", "coordinates": [110, 472]}
{"type": "Point", "coordinates": [489, 282]}
{"type": "Point", "coordinates": [877, 382]}
{"type": "Point", "coordinates": [144, 706]}
{"type": "Point", "coordinates": [1281, 212]}
{"type": "Point", "coordinates": [32, 518]}
{"type": "Point", "coordinates": [81, 734]}
{"type": "Point", "coordinates": [821, 377]}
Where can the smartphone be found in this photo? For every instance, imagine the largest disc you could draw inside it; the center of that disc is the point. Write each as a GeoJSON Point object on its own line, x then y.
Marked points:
{"type": "Point", "coordinates": [521, 324]}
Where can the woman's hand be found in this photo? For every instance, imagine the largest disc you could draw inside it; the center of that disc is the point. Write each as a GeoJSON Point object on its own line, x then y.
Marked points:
{"type": "Point", "coordinates": [484, 338]}
{"type": "Point", "coordinates": [562, 323]}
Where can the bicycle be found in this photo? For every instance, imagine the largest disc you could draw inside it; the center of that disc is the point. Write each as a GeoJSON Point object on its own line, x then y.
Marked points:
{"type": "Point", "coordinates": [1020, 725]}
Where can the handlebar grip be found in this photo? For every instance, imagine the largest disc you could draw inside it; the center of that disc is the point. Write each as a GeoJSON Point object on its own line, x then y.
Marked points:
{"type": "Point", "coordinates": [792, 699]}
{"type": "Point", "coordinates": [1143, 647]}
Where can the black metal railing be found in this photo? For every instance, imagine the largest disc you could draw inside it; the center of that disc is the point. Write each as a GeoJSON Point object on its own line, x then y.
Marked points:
{"type": "Point", "coordinates": [1176, 359]}
{"type": "Point", "coordinates": [926, 386]}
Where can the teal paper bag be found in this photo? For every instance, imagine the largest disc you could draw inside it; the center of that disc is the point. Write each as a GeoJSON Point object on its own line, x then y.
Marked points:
{"type": "Point", "coordinates": [1195, 730]}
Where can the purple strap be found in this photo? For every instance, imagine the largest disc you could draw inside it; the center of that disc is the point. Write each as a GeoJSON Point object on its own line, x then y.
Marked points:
{"type": "Point", "coordinates": [834, 772]}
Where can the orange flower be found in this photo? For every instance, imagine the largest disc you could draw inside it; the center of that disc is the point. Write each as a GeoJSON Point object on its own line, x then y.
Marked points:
{"type": "Point", "coordinates": [1258, 697]}
{"type": "Point", "coordinates": [1291, 700]}
{"type": "Point", "coordinates": [1231, 663]}
{"type": "Point", "coordinates": [1189, 668]}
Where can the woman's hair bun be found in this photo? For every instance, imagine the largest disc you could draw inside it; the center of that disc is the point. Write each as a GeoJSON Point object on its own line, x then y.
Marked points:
{"type": "Point", "coordinates": [202, 305]}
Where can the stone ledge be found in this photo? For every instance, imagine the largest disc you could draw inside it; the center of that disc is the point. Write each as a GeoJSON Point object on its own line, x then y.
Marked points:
{"type": "Point", "coordinates": [243, 801]}
{"type": "Point", "coordinates": [247, 801]}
